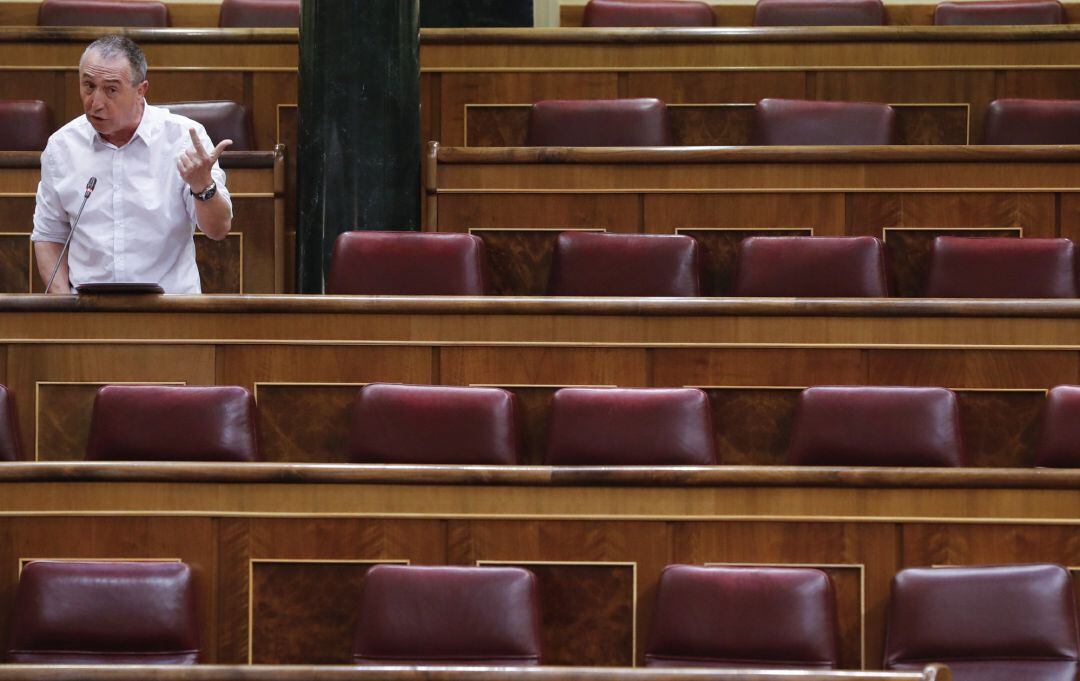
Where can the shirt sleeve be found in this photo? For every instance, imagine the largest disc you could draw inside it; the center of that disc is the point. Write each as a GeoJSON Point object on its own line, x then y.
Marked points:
{"type": "Point", "coordinates": [216, 173]}
{"type": "Point", "coordinates": [51, 222]}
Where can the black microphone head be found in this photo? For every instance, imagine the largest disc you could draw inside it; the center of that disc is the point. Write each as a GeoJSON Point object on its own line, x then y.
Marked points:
{"type": "Point", "coordinates": [90, 186]}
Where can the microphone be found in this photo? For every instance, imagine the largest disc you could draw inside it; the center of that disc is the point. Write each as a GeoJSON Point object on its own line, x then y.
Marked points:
{"type": "Point", "coordinates": [86, 195]}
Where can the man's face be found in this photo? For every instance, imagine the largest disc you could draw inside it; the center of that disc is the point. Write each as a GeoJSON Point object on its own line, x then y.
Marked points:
{"type": "Point", "coordinates": [112, 103]}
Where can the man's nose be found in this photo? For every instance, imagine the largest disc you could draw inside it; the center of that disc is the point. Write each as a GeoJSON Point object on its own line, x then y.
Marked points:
{"type": "Point", "coordinates": [96, 99]}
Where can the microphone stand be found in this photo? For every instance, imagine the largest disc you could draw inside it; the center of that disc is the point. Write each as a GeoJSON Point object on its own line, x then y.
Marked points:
{"type": "Point", "coordinates": [89, 190]}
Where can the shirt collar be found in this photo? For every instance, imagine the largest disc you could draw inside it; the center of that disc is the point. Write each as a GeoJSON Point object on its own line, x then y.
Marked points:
{"type": "Point", "coordinates": [148, 128]}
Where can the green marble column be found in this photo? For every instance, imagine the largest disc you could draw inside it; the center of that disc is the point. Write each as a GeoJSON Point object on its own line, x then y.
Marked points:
{"type": "Point", "coordinates": [358, 160]}
{"type": "Point", "coordinates": [476, 13]}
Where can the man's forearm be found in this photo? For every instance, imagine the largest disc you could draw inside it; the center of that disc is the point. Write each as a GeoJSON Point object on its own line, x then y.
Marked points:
{"type": "Point", "coordinates": [47, 254]}
{"type": "Point", "coordinates": [214, 217]}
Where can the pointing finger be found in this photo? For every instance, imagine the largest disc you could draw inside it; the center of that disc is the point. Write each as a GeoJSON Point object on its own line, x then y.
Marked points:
{"type": "Point", "coordinates": [196, 143]}
{"type": "Point", "coordinates": [224, 144]}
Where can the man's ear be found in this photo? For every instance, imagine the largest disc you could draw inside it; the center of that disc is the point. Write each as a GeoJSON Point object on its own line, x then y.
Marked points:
{"type": "Point", "coordinates": [143, 88]}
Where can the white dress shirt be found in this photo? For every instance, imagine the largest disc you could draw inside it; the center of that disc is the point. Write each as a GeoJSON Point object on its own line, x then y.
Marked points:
{"type": "Point", "coordinates": [139, 223]}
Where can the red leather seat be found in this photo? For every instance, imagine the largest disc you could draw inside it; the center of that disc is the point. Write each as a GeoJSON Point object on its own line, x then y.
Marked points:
{"type": "Point", "coordinates": [601, 264]}
{"type": "Point", "coordinates": [1032, 121]}
{"type": "Point", "coordinates": [784, 266]}
{"type": "Point", "coordinates": [795, 122]}
{"type": "Point", "coordinates": [222, 119]}
{"type": "Point", "coordinates": [819, 13]}
{"type": "Point", "coordinates": [630, 426]}
{"type": "Point", "coordinates": [434, 424]}
{"type": "Point", "coordinates": [259, 14]}
{"type": "Point", "coordinates": [406, 263]}
{"type": "Point", "coordinates": [744, 617]}
{"type": "Point", "coordinates": [599, 123]}
{"type": "Point", "coordinates": [124, 13]}
{"type": "Point", "coordinates": [986, 623]}
{"type": "Point", "coordinates": [104, 613]}
{"type": "Point", "coordinates": [10, 448]}
{"type": "Point", "coordinates": [25, 125]}
{"type": "Point", "coordinates": [173, 423]}
{"type": "Point", "coordinates": [876, 426]}
{"type": "Point", "coordinates": [1059, 438]}
{"type": "Point", "coordinates": [994, 13]}
{"type": "Point", "coordinates": [650, 13]}
{"type": "Point", "coordinates": [486, 616]}
{"type": "Point", "coordinates": [1001, 268]}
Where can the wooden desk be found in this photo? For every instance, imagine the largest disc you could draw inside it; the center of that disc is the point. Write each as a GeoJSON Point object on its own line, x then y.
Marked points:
{"type": "Point", "coordinates": [518, 199]}
{"type": "Point", "coordinates": [254, 258]}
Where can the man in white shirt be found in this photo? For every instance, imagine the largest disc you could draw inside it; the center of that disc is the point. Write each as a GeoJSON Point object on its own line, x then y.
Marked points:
{"type": "Point", "coordinates": [157, 178]}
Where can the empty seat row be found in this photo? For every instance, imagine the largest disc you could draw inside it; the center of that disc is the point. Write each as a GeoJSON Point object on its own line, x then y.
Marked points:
{"type": "Point", "coordinates": [26, 124]}
{"type": "Point", "coordinates": [689, 13]}
{"type": "Point", "coordinates": [85, 612]}
{"type": "Point", "coordinates": [645, 122]}
{"type": "Point", "coordinates": [153, 14]}
{"type": "Point", "coordinates": [610, 264]}
{"type": "Point", "coordinates": [410, 424]}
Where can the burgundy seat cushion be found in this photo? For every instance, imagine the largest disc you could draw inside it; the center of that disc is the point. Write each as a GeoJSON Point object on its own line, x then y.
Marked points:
{"type": "Point", "coordinates": [613, 13]}
{"type": "Point", "coordinates": [431, 424]}
{"type": "Point", "coordinates": [125, 13]}
{"type": "Point", "coordinates": [600, 264]}
{"type": "Point", "coordinates": [599, 123]}
{"type": "Point", "coordinates": [876, 426]}
{"type": "Point", "coordinates": [259, 14]}
{"type": "Point", "coordinates": [994, 13]}
{"type": "Point", "coordinates": [407, 263]}
{"type": "Point", "coordinates": [448, 615]}
{"type": "Point", "coordinates": [1059, 439]}
{"type": "Point", "coordinates": [819, 13]}
{"type": "Point", "coordinates": [25, 125]}
{"type": "Point", "coordinates": [1032, 121]}
{"type": "Point", "coordinates": [744, 617]}
{"type": "Point", "coordinates": [631, 426]}
{"type": "Point", "coordinates": [812, 267]}
{"type": "Point", "coordinates": [173, 423]}
{"type": "Point", "coordinates": [10, 448]}
{"type": "Point", "coordinates": [223, 120]}
{"type": "Point", "coordinates": [986, 623]}
{"type": "Point", "coordinates": [1001, 268]}
{"type": "Point", "coordinates": [794, 122]}
{"type": "Point", "coordinates": [104, 613]}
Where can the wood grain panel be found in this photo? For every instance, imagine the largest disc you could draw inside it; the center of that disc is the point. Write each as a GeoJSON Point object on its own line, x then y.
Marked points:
{"type": "Point", "coordinates": [909, 250]}
{"type": "Point", "coordinates": [758, 367]}
{"type": "Point", "coordinates": [822, 213]}
{"type": "Point", "coordinates": [611, 212]}
{"type": "Point", "coordinates": [753, 426]}
{"type": "Point", "coordinates": [543, 366]}
{"type": "Point", "coordinates": [254, 219]}
{"type": "Point", "coordinates": [929, 544]}
{"type": "Point", "coordinates": [534, 416]}
{"type": "Point", "coordinates": [246, 365]}
{"type": "Point", "coordinates": [973, 368]}
{"type": "Point", "coordinates": [305, 423]}
{"type": "Point", "coordinates": [17, 213]}
{"type": "Point", "coordinates": [1000, 428]}
{"type": "Point", "coordinates": [925, 124]}
{"type": "Point", "coordinates": [518, 260]}
{"type": "Point", "coordinates": [15, 256]}
{"type": "Point", "coordinates": [220, 263]}
{"type": "Point", "coordinates": [715, 87]}
{"type": "Point", "coordinates": [720, 250]}
{"type": "Point", "coordinates": [496, 126]}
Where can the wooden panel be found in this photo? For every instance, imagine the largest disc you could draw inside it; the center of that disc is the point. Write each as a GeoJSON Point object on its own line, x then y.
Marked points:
{"type": "Point", "coordinates": [719, 87]}
{"type": "Point", "coordinates": [611, 212]}
{"type": "Point", "coordinates": [822, 213]}
{"type": "Point", "coordinates": [518, 260]}
{"type": "Point", "coordinates": [16, 213]}
{"type": "Point", "coordinates": [753, 426]}
{"type": "Point", "coordinates": [720, 249]}
{"type": "Point", "coordinates": [496, 126]}
{"type": "Point", "coordinates": [305, 423]}
{"type": "Point", "coordinates": [254, 219]}
{"type": "Point", "coordinates": [246, 365]}
{"type": "Point", "coordinates": [586, 613]}
{"type": "Point", "coordinates": [1069, 214]}
{"type": "Point", "coordinates": [221, 263]}
{"type": "Point", "coordinates": [753, 367]}
{"type": "Point", "coordinates": [973, 368]}
{"type": "Point", "coordinates": [542, 366]}
{"type": "Point", "coordinates": [1000, 428]}
{"type": "Point", "coordinates": [910, 253]}
{"type": "Point", "coordinates": [15, 255]}
{"type": "Point", "coordinates": [869, 213]}
{"type": "Point", "coordinates": [925, 124]}
{"type": "Point", "coordinates": [930, 544]}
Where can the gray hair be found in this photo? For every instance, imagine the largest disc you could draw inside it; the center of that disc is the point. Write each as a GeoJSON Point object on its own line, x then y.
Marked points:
{"type": "Point", "coordinates": [110, 46]}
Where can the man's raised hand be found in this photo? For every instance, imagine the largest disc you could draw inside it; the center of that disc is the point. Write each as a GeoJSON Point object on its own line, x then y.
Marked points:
{"type": "Point", "coordinates": [195, 163]}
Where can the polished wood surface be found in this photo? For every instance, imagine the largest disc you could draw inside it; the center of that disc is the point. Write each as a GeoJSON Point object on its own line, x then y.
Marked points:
{"type": "Point", "coordinates": [250, 260]}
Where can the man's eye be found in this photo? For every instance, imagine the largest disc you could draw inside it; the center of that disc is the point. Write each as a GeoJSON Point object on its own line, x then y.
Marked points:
{"type": "Point", "coordinates": [112, 91]}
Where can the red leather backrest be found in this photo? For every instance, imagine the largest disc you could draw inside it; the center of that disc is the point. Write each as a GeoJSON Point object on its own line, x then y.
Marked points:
{"type": "Point", "coordinates": [448, 615]}
{"type": "Point", "coordinates": [434, 424]}
{"type": "Point", "coordinates": [993, 13]}
{"type": "Point", "coordinates": [222, 119]}
{"type": "Point", "coordinates": [630, 426]}
{"type": "Point", "coordinates": [104, 613]}
{"type": "Point", "coordinates": [1032, 121]}
{"type": "Point", "coordinates": [808, 266]}
{"type": "Point", "coordinates": [25, 125]}
{"type": "Point", "coordinates": [630, 13]}
{"type": "Point", "coordinates": [795, 122]}
{"type": "Point", "coordinates": [819, 13]}
{"type": "Point", "coordinates": [1001, 268]}
{"type": "Point", "coordinates": [1059, 437]}
{"type": "Point", "coordinates": [173, 423]}
{"type": "Point", "coordinates": [259, 14]}
{"type": "Point", "coordinates": [876, 426]}
{"type": "Point", "coordinates": [744, 617]}
{"type": "Point", "coordinates": [601, 264]}
{"type": "Point", "coordinates": [10, 447]}
{"type": "Point", "coordinates": [407, 263]}
{"type": "Point", "coordinates": [599, 123]}
{"type": "Point", "coordinates": [124, 13]}
{"type": "Point", "coordinates": [985, 623]}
